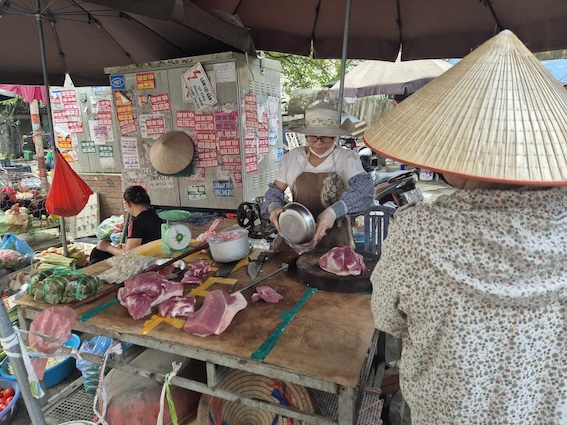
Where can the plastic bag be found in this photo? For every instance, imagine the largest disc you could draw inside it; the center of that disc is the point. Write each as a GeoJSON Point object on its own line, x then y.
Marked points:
{"type": "Point", "coordinates": [11, 242]}
{"type": "Point", "coordinates": [91, 371]}
{"type": "Point", "coordinates": [68, 193]}
{"type": "Point", "coordinates": [56, 322]}
{"type": "Point", "coordinates": [106, 227]}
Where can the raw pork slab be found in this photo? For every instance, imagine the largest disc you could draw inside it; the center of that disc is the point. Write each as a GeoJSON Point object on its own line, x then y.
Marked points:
{"type": "Point", "coordinates": [267, 294]}
{"type": "Point", "coordinates": [218, 310]}
{"type": "Point", "coordinates": [177, 306]}
{"type": "Point", "coordinates": [343, 261]}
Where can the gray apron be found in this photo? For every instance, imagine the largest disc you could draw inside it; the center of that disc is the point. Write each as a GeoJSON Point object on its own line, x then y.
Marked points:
{"type": "Point", "coordinates": [317, 191]}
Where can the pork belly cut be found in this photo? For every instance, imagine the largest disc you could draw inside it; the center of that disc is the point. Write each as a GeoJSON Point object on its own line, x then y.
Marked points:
{"type": "Point", "coordinates": [267, 294]}
{"type": "Point", "coordinates": [141, 292]}
{"type": "Point", "coordinates": [177, 306]}
{"type": "Point", "coordinates": [217, 312]}
{"type": "Point", "coordinates": [342, 261]}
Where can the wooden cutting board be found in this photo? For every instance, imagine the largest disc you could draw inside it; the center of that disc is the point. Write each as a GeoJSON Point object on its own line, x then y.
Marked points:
{"type": "Point", "coordinates": [311, 274]}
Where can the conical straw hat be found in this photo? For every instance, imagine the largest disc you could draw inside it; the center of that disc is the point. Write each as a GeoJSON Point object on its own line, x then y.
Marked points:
{"type": "Point", "coordinates": [497, 115]}
{"type": "Point", "coordinates": [172, 152]}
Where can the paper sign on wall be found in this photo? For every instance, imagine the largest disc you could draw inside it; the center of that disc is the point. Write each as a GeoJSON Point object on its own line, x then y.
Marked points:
{"type": "Point", "coordinates": [185, 119]}
{"type": "Point", "coordinates": [160, 102]}
{"type": "Point", "coordinates": [251, 163]}
{"type": "Point", "coordinates": [222, 187]}
{"type": "Point", "coordinates": [208, 158]}
{"type": "Point", "coordinates": [196, 192]}
{"type": "Point", "coordinates": [145, 81]}
{"type": "Point", "coordinates": [130, 155]}
{"type": "Point", "coordinates": [200, 87]}
{"type": "Point", "coordinates": [88, 146]}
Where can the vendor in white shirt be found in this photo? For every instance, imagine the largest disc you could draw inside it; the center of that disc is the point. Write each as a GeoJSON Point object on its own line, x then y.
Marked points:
{"type": "Point", "coordinates": [328, 180]}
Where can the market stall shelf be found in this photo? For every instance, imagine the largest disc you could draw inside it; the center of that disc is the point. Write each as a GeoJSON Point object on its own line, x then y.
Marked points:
{"type": "Point", "coordinates": [312, 338]}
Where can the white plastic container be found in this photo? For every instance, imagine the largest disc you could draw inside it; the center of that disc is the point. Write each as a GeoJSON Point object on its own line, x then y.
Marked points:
{"type": "Point", "coordinates": [230, 246]}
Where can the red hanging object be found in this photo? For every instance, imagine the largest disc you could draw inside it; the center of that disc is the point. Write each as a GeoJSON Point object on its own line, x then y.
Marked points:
{"type": "Point", "coordinates": [68, 193]}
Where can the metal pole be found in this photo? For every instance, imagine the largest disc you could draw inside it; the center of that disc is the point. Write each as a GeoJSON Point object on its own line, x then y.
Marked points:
{"type": "Point", "coordinates": [48, 106]}
{"type": "Point", "coordinates": [344, 58]}
{"type": "Point", "coordinates": [32, 404]}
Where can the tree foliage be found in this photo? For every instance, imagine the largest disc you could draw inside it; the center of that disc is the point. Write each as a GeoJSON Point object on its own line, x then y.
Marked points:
{"type": "Point", "coordinates": [300, 72]}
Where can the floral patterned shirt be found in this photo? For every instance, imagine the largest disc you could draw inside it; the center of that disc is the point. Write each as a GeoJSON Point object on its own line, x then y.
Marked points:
{"type": "Point", "coordinates": [476, 286]}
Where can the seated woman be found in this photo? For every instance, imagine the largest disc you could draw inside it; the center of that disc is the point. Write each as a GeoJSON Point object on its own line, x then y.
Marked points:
{"type": "Point", "coordinates": [144, 227]}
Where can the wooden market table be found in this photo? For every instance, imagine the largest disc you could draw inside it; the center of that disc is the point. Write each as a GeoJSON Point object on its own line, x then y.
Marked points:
{"type": "Point", "coordinates": [322, 342]}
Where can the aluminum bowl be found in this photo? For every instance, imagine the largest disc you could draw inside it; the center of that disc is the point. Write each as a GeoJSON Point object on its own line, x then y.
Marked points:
{"type": "Point", "coordinates": [297, 225]}
{"type": "Point", "coordinates": [179, 264]}
{"type": "Point", "coordinates": [226, 247]}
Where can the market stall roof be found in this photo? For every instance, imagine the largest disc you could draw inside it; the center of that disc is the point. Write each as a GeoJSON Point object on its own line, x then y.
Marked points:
{"type": "Point", "coordinates": [423, 29]}
{"type": "Point", "coordinates": [81, 38]}
{"type": "Point", "coordinates": [381, 77]}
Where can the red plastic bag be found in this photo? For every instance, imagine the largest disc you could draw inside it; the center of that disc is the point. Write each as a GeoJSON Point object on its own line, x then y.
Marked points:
{"type": "Point", "coordinates": [68, 193]}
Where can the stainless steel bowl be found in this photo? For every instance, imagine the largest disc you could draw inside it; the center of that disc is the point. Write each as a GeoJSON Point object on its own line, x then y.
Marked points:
{"type": "Point", "coordinates": [179, 264]}
{"type": "Point", "coordinates": [297, 224]}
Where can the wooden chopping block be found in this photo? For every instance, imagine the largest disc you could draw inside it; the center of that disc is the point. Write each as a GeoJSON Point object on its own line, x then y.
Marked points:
{"type": "Point", "coordinates": [311, 274]}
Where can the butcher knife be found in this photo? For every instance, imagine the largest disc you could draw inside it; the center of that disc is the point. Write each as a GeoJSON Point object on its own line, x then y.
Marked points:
{"type": "Point", "coordinates": [254, 267]}
{"type": "Point", "coordinates": [225, 268]}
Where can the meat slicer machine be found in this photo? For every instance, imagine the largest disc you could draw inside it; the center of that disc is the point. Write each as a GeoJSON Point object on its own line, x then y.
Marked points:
{"type": "Point", "coordinates": [249, 217]}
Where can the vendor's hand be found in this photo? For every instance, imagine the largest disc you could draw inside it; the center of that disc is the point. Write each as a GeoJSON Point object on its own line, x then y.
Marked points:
{"type": "Point", "coordinates": [325, 221]}
{"type": "Point", "coordinates": [274, 216]}
{"type": "Point", "coordinates": [103, 245]}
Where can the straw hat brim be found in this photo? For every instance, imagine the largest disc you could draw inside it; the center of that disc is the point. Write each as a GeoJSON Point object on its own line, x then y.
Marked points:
{"type": "Point", "coordinates": [258, 387]}
{"type": "Point", "coordinates": [498, 115]}
{"type": "Point", "coordinates": [172, 152]}
{"type": "Point", "coordinates": [347, 127]}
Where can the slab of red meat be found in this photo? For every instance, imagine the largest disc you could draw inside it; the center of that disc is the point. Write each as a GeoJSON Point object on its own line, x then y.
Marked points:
{"type": "Point", "coordinates": [143, 291]}
{"type": "Point", "coordinates": [197, 269]}
{"type": "Point", "coordinates": [177, 306]}
{"type": "Point", "coordinates": [267, 294]}
{"type": "Point", "coordinates": [218, 310]}
{"type": "Point", "coordinates": [342, 261]}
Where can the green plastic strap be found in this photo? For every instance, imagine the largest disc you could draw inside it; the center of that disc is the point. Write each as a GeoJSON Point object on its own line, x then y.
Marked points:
{"type": "Point", "coordinates": [172, 410]}
{"type": "Point", "coordinates": [97, 310]}
{"type": "Point", "coordinates": [287, 316]}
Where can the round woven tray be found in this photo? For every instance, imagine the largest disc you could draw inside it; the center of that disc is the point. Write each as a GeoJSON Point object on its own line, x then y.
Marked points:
{"type": "Point", "coordinates": [216, 411]}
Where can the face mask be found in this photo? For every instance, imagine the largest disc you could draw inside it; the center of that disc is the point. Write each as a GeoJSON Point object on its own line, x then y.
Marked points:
{"type": "Point", "coordinates": [323, 155]}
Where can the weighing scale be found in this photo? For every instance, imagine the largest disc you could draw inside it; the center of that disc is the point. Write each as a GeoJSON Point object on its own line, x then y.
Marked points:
{"type": "Point", "coordinates": [175, 236]}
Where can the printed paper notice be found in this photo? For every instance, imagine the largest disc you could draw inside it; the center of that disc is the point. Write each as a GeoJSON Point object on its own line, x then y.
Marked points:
{"type": "Point", "coordinates": [185, 119]}
{"type": "Point", "coordinates": [225, 72]}
{"type": "Point", "coordinates": [229, 146]}
{"type": "Point", "coordinates": [100, 134]}
{"type": "Point", "coordinates": [251, 163]}
{"type": "Point", "coordinates": [237, 176]}
{"type": "Point", "coordinates": [196, 192]}
{"type": "Point", "coordinates": [222, 187]}
{"type": "Point", "coordinates": [200, 87]}
{"type": "Point", "coordinates": [106, 154]}
{"type": "Point", "coordinates": [160, 102]}
{"type": "Point", "coordinates": [208, 159]}
{"type": "Point", "coordinates": [130, 156]}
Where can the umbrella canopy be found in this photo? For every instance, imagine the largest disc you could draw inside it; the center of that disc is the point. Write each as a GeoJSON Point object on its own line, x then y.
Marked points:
{"type": "Point", "coordinates": [423, 28]}
{"type": "Point", "coordinates": [82, 38]}
{"type": "Point", "coordinates": [28, 93]}
{"type": "Point", "coordinates": [381, 77]}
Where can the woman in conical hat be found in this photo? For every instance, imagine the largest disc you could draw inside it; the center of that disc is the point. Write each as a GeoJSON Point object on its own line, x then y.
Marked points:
{"type": "Point", "coordinates": [330, 182]}
{"type": "Point", "coordinates": [479, 296]}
